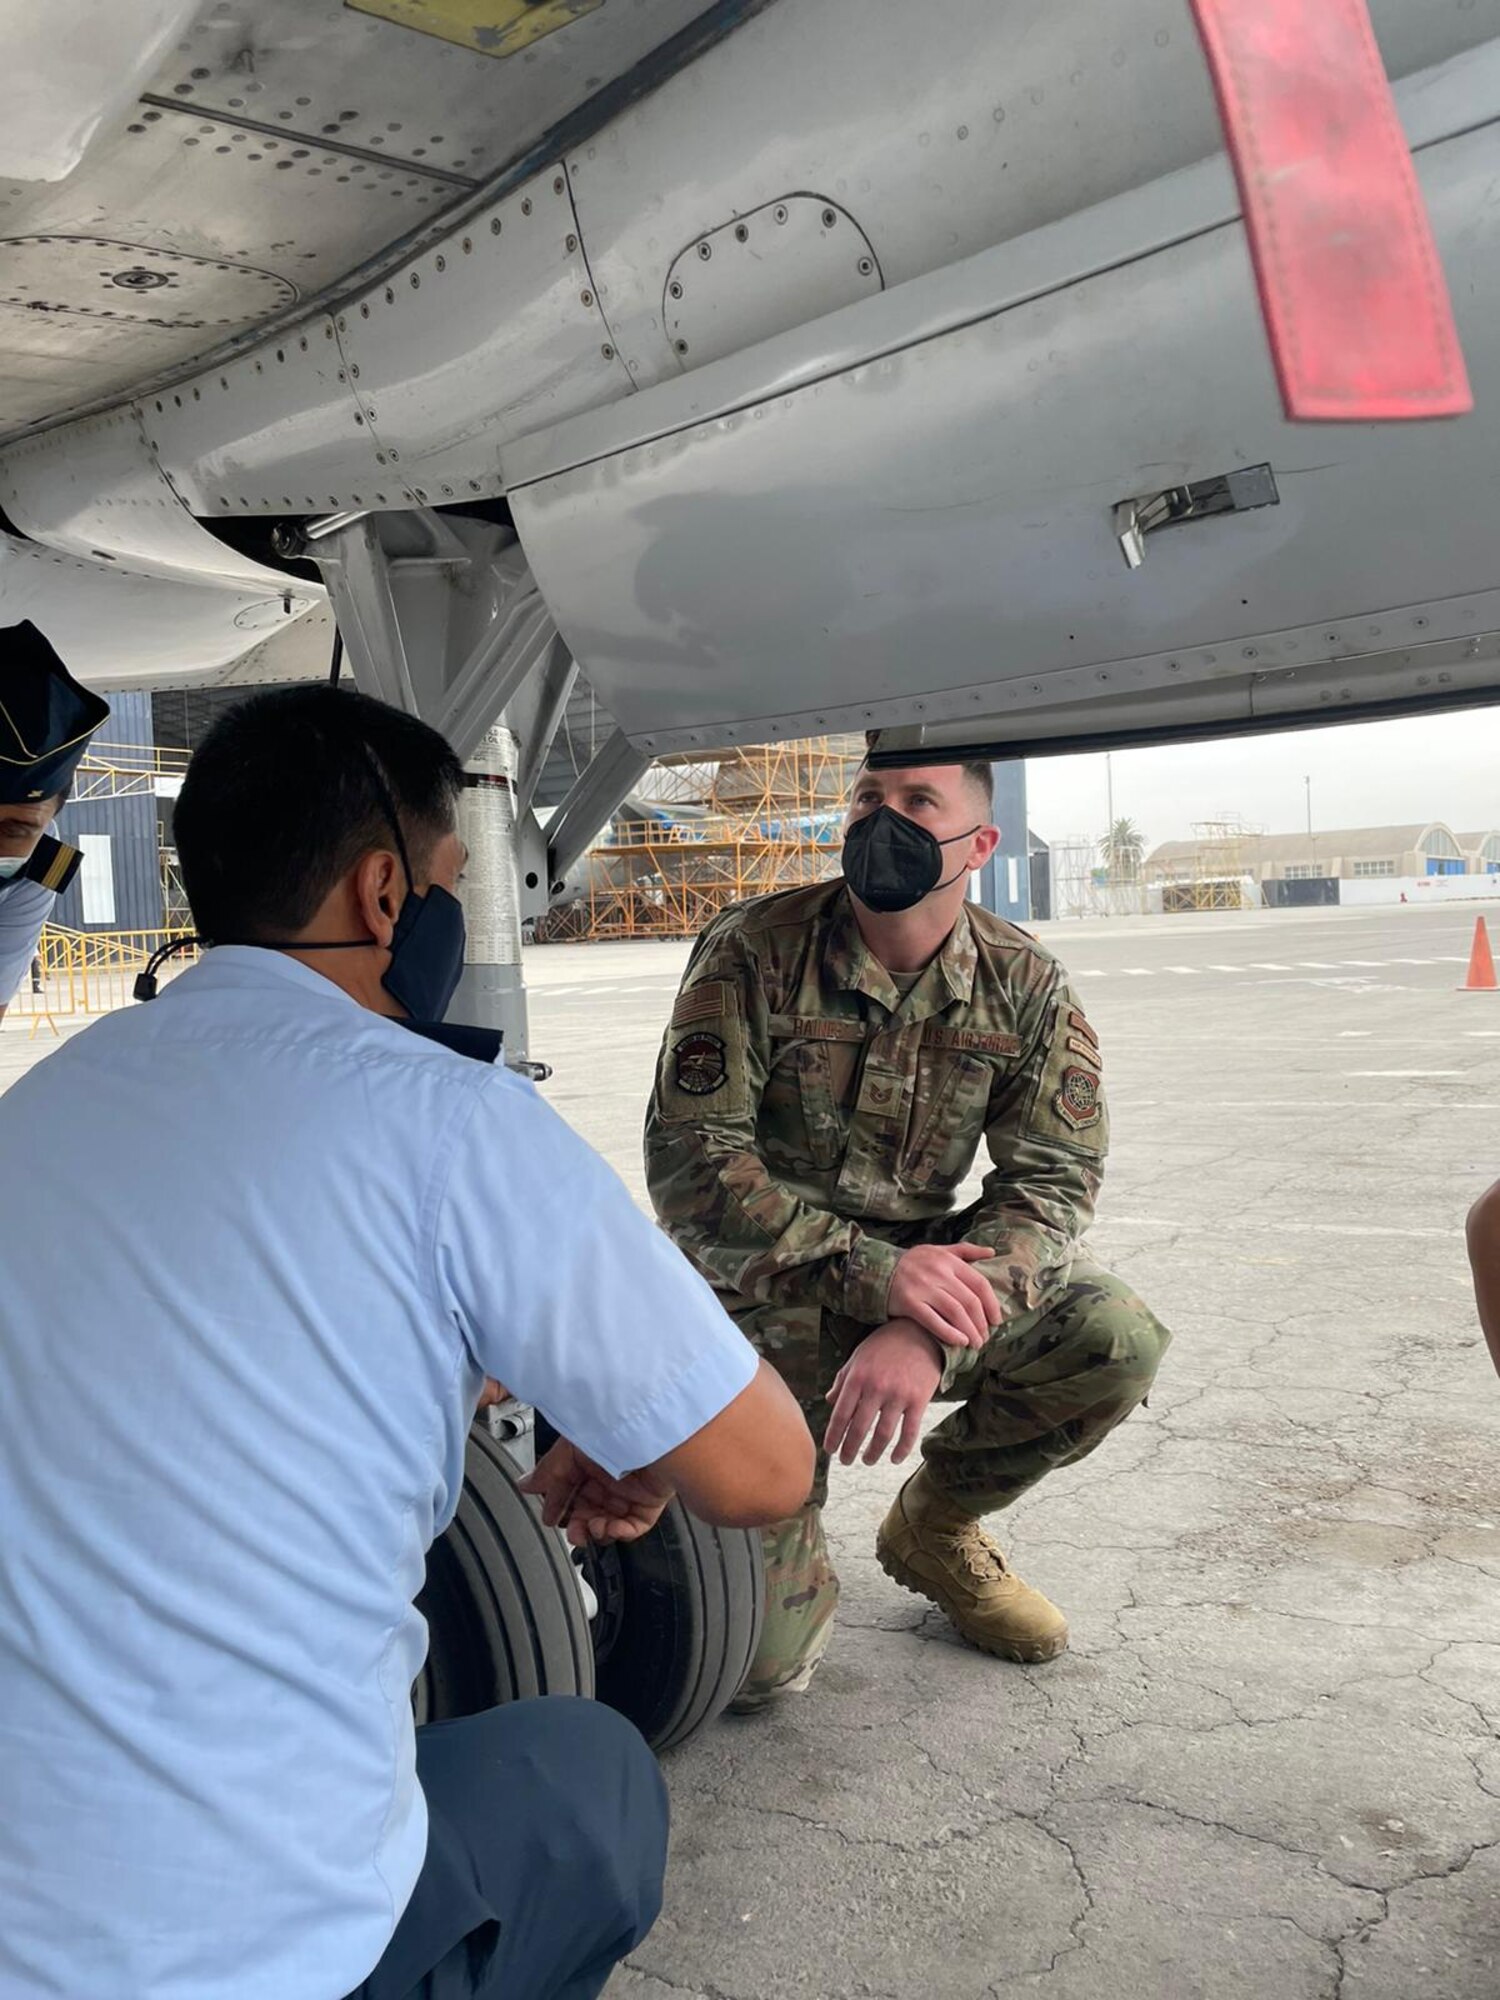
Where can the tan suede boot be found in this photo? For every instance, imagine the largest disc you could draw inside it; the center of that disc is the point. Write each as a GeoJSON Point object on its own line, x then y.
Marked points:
{"type": "Point", "coordinates": [933, 1548]}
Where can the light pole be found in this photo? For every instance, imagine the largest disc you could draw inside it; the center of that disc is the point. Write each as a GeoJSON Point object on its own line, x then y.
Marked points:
{"type": "Point", "coordinates": [1109, 783]}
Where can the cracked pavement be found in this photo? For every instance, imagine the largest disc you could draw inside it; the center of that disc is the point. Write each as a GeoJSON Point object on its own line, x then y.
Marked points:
{"type": "Point", "coordinates": [1268, 1767]}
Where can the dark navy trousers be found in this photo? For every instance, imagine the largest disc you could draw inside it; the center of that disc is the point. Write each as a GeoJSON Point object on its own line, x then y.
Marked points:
{"type": "Point", "coordinates": [546, 1852]}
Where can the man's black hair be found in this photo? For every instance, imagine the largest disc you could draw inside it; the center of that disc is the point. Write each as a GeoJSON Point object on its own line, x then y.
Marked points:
{"type": "Point", "coordinates": [284, 795]}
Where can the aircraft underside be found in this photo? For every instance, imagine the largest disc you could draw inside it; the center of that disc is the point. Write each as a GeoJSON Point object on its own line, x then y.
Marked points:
{"type": "Point", "coordinates": [785, 366]}
{"type": "Point", "coordinates": [804, 366]}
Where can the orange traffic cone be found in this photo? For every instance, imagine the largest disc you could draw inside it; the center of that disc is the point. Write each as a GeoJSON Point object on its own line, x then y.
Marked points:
{"type": "Point", "coordinates": [1481, 977]}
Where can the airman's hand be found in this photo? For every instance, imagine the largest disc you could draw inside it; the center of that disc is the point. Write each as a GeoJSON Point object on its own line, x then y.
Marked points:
{"type": "Point", "coordinates": [886, 1383]}
{"type": "Point", "coordinates": [937, 1285]}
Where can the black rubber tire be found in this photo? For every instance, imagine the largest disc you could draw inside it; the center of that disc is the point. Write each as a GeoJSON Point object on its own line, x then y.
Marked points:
{"type": "Point", "coordinates": [688, 1603]}
{"type": "Point", "coordinates": [679, 1620]}
{"type": "Point", "coordinates": [504, 1612]}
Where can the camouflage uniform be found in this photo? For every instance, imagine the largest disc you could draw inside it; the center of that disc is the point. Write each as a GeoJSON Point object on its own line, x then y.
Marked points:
{"type": "Point", "coordinates": [809, 1123]}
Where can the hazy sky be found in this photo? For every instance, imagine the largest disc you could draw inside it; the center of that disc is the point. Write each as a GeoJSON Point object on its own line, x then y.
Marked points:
{"type": "Point", "coordinates": [1436, 767]}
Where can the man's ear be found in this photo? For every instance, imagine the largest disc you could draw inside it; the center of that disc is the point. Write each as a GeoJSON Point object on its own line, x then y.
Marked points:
{"type": "Point", "coordinates": [379, 884]}
{"type": "Point", "coordinates": [985, 842]}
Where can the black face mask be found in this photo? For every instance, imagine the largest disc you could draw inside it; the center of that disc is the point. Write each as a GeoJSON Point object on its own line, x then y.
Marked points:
{"type": "Point", "coordinates": [427, 950]}
{"type": "Point", "coordinates": [427, 945]}
{"type": "Point", "coordinates": [891, 863]}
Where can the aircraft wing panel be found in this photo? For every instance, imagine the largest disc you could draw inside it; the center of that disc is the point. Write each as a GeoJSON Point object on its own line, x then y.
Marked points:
{"type": "Point", "coordinates": [931, 536]}
{"type": "Point", "coordinates": [256, 163]}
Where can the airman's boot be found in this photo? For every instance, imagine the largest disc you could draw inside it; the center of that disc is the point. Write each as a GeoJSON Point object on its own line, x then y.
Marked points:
{"type": "Point", "coordinates": [935, 1549]}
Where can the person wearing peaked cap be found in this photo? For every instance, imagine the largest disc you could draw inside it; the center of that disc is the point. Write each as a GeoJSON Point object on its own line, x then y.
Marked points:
{"type": "Point", "coordinates": [46, 722]}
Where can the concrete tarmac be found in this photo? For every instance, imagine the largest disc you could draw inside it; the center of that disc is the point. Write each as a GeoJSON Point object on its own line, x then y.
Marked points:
{"type": "Point", "coordinates": [1268, 1766]}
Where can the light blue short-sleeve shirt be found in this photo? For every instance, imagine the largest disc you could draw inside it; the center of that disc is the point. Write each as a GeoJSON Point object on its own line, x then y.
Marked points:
{"type": "Point", "coordinates": [263, 1247]}
{"type": "Point", "coordinates": [24, 909]}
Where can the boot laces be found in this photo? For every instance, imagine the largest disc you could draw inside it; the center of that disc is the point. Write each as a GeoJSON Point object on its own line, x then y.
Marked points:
{"type": "Point", "coordinates": [979, 1555]}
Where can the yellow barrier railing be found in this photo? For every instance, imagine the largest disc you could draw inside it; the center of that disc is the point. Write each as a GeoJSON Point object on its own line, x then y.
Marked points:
{"type": "Point", "coordinates": [87, 972]}
{"type": "Point", "coordinates": [135, 757]}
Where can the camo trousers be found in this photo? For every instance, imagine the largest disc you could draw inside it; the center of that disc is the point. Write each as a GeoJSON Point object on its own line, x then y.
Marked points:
{"type": "Point", "coordinates": [1046, 1391]}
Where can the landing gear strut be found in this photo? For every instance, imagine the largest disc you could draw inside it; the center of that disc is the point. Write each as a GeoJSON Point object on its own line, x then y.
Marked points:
{"type": "Point", "coordinates": [441, 617]}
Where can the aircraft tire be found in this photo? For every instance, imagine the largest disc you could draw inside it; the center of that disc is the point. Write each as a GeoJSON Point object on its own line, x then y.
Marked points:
{"type": "Point", "coordinates": [679, 1619]}
{"type": "Point", "coordinates": [505, 1616]}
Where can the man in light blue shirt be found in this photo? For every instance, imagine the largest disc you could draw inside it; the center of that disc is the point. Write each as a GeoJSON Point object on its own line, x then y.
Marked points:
{"type": "Point", "coordinates": [46, 721]}
{"type": "Point", "coordinates": [272, 1245]}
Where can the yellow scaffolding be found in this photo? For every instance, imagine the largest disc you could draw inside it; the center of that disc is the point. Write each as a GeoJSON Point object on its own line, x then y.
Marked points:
{"type": "Point", "coordinates": [701, 834]}
{"type": "Point", "coordinates": [1221, 867]}
{"type": "Point", "coordinates": [119, 770]}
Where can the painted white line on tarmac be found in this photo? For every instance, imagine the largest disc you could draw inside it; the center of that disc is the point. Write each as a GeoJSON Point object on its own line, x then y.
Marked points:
{"type": "Point", "coordinates": [1374, 964]}
{"type": "Point", "coordinates": [1363, 1105]}
{"type": "Point", "coordinates": [1218, 1226]}
{"type": "Point", "coordinates": [1139, 972]}
{"type": "Point", "coordinates": [1269, 965]}
{"type": "Point", "coordinates": [1482, 1034]}
{"type": "Point", "coordinates": [1191, 970]}
{"type": "Point", "coordinates": [1226, 968]}
{"type": "Point", "coordinates": [1403, 1072]}
{"type": "Point", "coordinates": [1354, 1034]}
{"type": "Point", "coordinates": [1317, 965]}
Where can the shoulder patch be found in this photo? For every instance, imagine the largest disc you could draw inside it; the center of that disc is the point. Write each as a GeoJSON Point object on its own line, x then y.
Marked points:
{"type": "Point", "coordinates": [1068, 1106]}
{"type": "Point", "coordinates": [1077, 1099]}
{"type": "Point", "coordinates": [700, 1063]}
{"type": "Point", "coordinates": [710, 1000]}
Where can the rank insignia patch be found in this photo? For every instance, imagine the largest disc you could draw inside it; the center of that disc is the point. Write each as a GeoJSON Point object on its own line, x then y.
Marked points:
{"type": "Point", "coordinates": [1078, 1099]}
{"type": "Point", "coordinates": [699, 1065]}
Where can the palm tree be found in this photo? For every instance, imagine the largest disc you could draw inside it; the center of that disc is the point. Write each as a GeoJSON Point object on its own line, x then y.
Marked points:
{"type": "Point", "coordinates": [1123, 849]}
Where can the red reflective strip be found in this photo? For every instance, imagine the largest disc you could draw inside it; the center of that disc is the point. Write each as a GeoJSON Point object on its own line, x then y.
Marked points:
{"type": "Point", "coordinates": [1354, 298]}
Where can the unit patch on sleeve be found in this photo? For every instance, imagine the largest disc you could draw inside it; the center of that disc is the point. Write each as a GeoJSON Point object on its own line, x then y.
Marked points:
{"type": "Point", "coordinates": [700, 1066]}
{"type": "Point", "coordinates": [1069, 1106]}
{"type": "Point", "coordinates": [1078, 1098]}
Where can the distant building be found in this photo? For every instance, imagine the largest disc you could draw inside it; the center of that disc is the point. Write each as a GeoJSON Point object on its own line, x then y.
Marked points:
{"type": "Point", "coordinates": [1340, 854]}
{"type": "Point", "coordinates": [1005, 880]}
{"type": "Point", "coordinates": [111, 817]}
{"type": "Point", "coordinates": [1483, 850]}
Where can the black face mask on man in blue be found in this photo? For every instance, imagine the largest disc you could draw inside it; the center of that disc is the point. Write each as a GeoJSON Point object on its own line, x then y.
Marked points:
{"type": "Point", "coordinates": [891, 863]}
{"type": "Point", "coordinates": [427, 946]}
